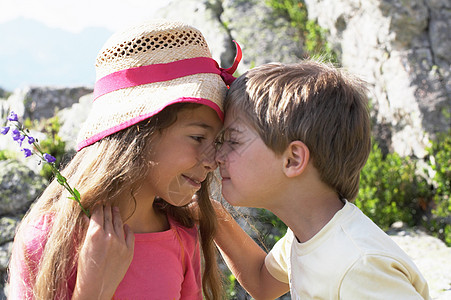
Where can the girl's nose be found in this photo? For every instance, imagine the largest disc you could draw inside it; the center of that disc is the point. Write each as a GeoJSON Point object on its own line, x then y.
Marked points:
{"type": "Point", "coordinates": [219, 157]}
{"type": "Point", "coordinates": [208, 158]}
{"type": "Point", "coordinates": [210, 164]}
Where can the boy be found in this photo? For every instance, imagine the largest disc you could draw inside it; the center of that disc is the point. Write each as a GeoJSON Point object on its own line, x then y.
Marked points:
{"type": "Point", "coordinates": [296, 138]}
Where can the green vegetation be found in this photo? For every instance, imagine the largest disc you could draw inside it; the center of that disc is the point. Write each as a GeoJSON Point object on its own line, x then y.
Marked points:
{"type": "Point", "coordinates": [52, 145]}
{"type": "Point", "coordinates": [7, 154]}
{"type": "Point", "coordinates": [440, 163]}
{"type": "Point", "coordinates": [390, 190]}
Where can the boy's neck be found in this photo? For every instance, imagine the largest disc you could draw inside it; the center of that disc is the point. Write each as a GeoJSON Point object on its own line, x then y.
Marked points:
{"type": "Point", "coordinates": [306, 207]}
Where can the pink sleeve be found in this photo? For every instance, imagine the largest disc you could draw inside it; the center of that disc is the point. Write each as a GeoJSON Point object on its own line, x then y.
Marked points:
{"type": "Point", "coordinates": [192, 284]}
{"type": "Point", "coordinates": [27, 250]}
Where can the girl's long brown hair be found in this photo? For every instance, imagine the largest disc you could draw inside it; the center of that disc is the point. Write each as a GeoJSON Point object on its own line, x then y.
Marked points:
{"type": "Point", "coordinates": [100, 172]}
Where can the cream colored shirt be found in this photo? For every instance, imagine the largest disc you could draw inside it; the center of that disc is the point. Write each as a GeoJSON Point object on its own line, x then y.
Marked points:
{"type": "Point", "coordinates": [350, 258]}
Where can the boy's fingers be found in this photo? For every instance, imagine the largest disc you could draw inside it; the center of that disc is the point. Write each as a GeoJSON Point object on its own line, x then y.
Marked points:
{"type": "Point", "coordinates": [108, 218]}
{"type": "Point", "coordinates": [117, 221]}
{"type": "Point", "coordinates": [97, 217]}
{"type": "Point", "coordinates": [85, 219]}
{"type": "Point", "coordinates": [129, 237]}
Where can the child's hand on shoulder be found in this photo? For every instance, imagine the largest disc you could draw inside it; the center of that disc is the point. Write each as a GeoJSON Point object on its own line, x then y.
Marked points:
{"type": "Point", "coordinates": [105, 256]}
{"type": "Point", "coordinates": [220, 210]}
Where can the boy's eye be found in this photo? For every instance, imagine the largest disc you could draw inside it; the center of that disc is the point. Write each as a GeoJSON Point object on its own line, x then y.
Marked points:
{"type": "Point", "coordinates": [231, 143]}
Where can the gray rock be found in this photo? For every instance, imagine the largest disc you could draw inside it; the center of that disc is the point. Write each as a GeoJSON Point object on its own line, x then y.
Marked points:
{"type": "Point", "coordinates": [251, 23]}
{"type": "Point", "coordinates": [19, 187]}
{"type": "Point", "coordinates": [264, 36]}
{"type": "Point", "coordinates": [5, 253]}
{"type": "Point", "coordinates": [39, 103]}
{"type": "Point", "coordinates": [8, 226]}
{"type": "Point", "coordinates": [71, 118]}
{"type": "Point", "coordinates": [402, 49]}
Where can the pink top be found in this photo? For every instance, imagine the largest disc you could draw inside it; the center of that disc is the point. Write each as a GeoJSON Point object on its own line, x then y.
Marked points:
{"type": "Point", "coordinates": [166, 265]}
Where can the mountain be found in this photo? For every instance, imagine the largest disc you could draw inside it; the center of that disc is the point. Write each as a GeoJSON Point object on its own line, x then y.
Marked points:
{"type": "Point", "coordinates": [32, 53]}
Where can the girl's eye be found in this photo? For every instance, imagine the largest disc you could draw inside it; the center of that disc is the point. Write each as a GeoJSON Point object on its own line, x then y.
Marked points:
{"type": "Point", "coordinates": [198, 138]}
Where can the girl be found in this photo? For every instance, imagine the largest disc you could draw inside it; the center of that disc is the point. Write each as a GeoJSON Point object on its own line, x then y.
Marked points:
{"type": "Point", "coordinates": [144, 152]}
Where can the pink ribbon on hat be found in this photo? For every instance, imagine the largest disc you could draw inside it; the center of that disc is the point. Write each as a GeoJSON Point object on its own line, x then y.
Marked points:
{"type": "Point", "coordinates": [164, 72]}
{"type": "Point", "coordinates": [227, 74]}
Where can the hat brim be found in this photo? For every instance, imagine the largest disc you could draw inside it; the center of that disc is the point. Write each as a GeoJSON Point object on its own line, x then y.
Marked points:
{"type": "Point", "coordinates": [120, 109]}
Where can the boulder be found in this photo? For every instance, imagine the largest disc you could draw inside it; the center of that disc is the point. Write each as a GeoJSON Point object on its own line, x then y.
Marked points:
{"type": "Point", "coordinates": [8, 226]}
{"type": "Point", "coordinates": [39, 103]}
{"type": "Point", "coordinates": [19, 187]}
{"type": "Point", "coordinates": [71, 119]}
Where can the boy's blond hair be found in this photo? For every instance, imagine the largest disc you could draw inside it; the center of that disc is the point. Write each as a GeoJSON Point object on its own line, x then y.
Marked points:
{"type": "Point", "coordinates": [312, 102]}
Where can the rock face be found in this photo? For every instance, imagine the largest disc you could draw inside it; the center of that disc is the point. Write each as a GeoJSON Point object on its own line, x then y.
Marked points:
{"type": "Point", "coordinates": [263, 35]}
{"type": "Point", "coordinates": [19, 187]}
{"type": "Point", "coordinates": [71, 118]}
{"type": "Point", "coordinates": [402, 49]}
{"type": "Point", "coordinates": [39, 103]}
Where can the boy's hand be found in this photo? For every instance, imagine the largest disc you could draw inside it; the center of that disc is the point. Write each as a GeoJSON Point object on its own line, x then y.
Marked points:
{"type": "Point", "coordinates": [105, 256]}
{"type": "Point", "coordinates": [221, 212]}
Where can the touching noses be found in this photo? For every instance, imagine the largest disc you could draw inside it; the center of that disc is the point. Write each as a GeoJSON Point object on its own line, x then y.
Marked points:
{"type": "Point", "coordinates": [219, 157]}
{"type": "Point", "coordinates": [208, 158]}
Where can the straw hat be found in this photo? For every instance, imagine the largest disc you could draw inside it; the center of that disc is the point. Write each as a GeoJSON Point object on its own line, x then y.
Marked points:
{"type": "Point", "coordinates": [145, 68]}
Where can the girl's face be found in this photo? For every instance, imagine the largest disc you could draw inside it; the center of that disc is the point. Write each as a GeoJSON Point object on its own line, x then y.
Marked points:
{"type": "Point", "coordinates": [250, 171]}
{"type": "Point", "coordinates": [183, 155]}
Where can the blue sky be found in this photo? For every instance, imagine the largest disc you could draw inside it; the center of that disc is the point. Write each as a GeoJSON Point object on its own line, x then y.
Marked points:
{"type": "Point", "coordinates": [51, 42]}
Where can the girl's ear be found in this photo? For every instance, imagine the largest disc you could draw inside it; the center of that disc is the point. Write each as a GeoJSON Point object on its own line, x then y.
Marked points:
{"type": "Point", "coordinates": [295, 158]}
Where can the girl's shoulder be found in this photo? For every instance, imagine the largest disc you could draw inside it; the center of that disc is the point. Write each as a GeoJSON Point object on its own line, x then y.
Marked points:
{"type": "Point", "coordinates": [34, 233]}
{"type": "Point", "coordinates": [186, 234]}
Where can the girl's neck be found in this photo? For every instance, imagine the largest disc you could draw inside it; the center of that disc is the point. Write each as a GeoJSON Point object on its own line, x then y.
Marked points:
{"type": "Point", "coordinates": [149, 220]}
{"type": "Point", "coordinates": [142, 217]}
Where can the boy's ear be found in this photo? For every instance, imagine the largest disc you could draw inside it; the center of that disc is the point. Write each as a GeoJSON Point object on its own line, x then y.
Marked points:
{"type": "Point", "coordinates": [295, 158]}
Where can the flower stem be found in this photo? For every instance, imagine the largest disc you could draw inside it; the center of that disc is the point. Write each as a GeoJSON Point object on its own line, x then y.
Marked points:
{"type": "Point", "coordinates": [58, 176]}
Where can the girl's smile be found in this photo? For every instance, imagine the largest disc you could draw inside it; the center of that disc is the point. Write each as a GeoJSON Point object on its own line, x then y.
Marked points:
{"type": "Point", "coordinates": [183, 156]}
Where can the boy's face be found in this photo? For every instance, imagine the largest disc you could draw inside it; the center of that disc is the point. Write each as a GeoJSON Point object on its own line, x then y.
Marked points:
{"type": "Point", "coordinates": [250, 171]}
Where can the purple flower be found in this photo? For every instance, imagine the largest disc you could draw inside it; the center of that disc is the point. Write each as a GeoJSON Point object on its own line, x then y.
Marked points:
{"type": "Point", "coordinates": [48, 158]}
{"type": "Point", "coordinates": [20, 140]}
{"type": "Point", "coordinates": [31, 140]}
{"type": "Point", "coordinates": [13, 117]}
{"type": "Point", "coordinates": [16, 134]}
{"type": "Point", "coordinates": [27, 152]}
{"type": "Point", "coordinates": [4, 130]}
